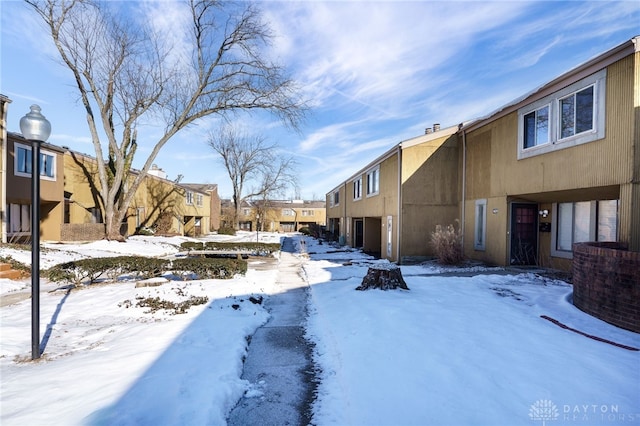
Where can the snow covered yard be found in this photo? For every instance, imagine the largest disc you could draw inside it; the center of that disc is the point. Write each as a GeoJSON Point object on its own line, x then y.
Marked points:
{"type": "Point", "coordinates": [450, 351]}
{"type": "Point", "coordinates": [463, 351]}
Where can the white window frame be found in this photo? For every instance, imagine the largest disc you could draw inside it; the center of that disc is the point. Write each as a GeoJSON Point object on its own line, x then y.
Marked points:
{"type": "Point", "coordinates": [556, 142]}
{"type": "Point", "coordinates": [44, 155]}
{"type": "Point", "coordinates": [480, 225]}
{"type": "Point", "coordinates": [335, 198]}
{"type": "Point", "coordinates": [199, 200]}
{"type": "Point", "coordinates": [357, 189]}
{"type": "Point", "coordinates": [288, 212]}
{"type": "Point", "coordinates": [373, 181]}
{"type": "Point", "coordinates": [593, 226]}
{"type": "Point", "coordinates": [307, 213]}
{"type": "Point", "coordinates": [189, 198]}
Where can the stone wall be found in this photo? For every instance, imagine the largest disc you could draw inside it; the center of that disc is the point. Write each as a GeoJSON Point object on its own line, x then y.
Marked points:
{"type": "Point", "coordinates": [81, 231]}
{"type": "Point", "coordinates": [606, 283]}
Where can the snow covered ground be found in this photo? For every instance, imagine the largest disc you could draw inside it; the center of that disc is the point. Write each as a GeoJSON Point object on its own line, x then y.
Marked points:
{"type": "Point", "coordinates": [450, 351]}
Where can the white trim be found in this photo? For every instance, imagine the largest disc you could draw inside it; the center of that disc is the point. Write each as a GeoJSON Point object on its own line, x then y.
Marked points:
{"type": "Point", "coordinates": [374, 171]}
{"type": "Point", "coordinates": [480, 238]}
{"type": "Point", "coordinates": [357, 195]}
{"type": "Point", "coordinates": [598, 81]}
{"type": "Point", "coordinates": [29, 148]}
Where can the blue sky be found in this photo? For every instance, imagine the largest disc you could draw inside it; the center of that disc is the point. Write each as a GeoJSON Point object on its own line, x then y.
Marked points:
{"type": "Point", "coordinates": [376, 73]}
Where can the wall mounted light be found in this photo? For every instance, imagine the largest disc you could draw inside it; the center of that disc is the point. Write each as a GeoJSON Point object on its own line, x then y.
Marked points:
{"type": "Point", "coordinates": [494, 211]}
{"type": "Point", "coordinates": [544, 213]}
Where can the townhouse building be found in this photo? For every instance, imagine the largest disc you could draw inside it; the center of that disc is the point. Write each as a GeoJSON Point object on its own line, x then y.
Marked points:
{"type": "Point", "coordinates": [559, 166]}
{"type": "Point", "coordinates": [389, 207]}
{"type": "Point", "coordinates": [70, 205]}
{"type": "Point", "coordinates": [276, 215]}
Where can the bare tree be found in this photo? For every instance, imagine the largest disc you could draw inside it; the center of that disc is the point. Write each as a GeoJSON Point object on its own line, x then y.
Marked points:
{"type": "Point", "coordinates": [249, 160]}
{"type": "Point", "coordinates": [129, 73]}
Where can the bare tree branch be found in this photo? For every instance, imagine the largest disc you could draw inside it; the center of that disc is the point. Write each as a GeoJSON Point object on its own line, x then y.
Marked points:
{"type": "Point", "coordinates": [249, 160]}
{"type": "Point", "coordinates": [127, 73]}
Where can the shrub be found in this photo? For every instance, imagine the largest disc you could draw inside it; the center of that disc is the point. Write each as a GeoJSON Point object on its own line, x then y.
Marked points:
{"type": "Point", "coordinates": [226, 230]}
{"type": "Point", "coordinates": [206, 268]}
{"type": "Point", "coordinates": [260, 249]}
{"type": "Point", "coordinates": [112, 267]}
{"type": "Point", "coordinates": [192, 245]}
{"type": "Point", "coordinates": [305, 230]}
{"type": "Point", "coordinates": [447, 244]}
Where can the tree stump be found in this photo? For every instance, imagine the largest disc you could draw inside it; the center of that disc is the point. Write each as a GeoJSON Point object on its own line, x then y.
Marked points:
{"type": "Point", "coordinates": [383, 277]}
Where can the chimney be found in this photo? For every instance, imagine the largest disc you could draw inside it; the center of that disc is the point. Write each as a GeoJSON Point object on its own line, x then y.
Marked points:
{"type": "Point", "coordinates": [436, 127]}
{"type": "Point", "coordinates": [427, 130]}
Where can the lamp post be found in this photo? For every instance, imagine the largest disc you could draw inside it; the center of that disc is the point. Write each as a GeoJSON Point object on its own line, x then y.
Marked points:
{"type": "Point", "coordinates": [35, 128]}
{"type": "Point", "coordinates": [257, 229]}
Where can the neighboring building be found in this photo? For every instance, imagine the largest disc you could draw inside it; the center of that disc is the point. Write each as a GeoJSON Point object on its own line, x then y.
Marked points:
{"type": "Point", "coordinates": [16, 208]}
{"type": "Point", "coordinates": [275, 215]}
{"type": "Point", "coordinates": [390, 207]}
{"type": "Point", "coordinates": [215, 205]}
{"type": "Point", "coordinates": [558, 166]}
{"type": "Point", "coordinates": [196, 210]}
{"type": "Point", "coordinates": [71, 208]}
{"type": "Point", "coordinates": [290, 215]}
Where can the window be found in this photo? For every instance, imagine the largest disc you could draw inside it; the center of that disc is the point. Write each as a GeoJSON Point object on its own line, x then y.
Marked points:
{"type": "Point", "coordinates": [246, 212]}
{"type": "Point", "coordinates": [335, 198]}
{"type": "Point", "coordinates": [23, 160]}
{"type": "Point", "coordinates": [583, 221]}
{"type": "Point", "coordinates": [189, 198]}
{"type": "Point", "coordinates": [569, 117]}
{"type": "Point", "coordinates": [576, 113]}
{"type": "Point", "coordinates": [373, 181]}
{"type": "Point", "coordinates": [536, 127]}
{"type": "Point", "coordinates": [480, 232]}
{"type": "Point", "coordinates": [96, 215]}
{"type": "Point", "coordinates": [307, 212]}
{"type": "Point", "coordinates": [357, 189]}
{"type": "Point", "coordinates": [288, 212]}
{"type": "Point", "coordinates": [19, 218]}
{"type": "Point", "coordinates": [199, 200]}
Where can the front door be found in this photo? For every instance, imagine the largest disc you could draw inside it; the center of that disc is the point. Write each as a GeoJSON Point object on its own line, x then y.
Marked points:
{"type": "Point", "coordinates": [524, 234]}
{"type": "Point", "coordinates": [358, 225]}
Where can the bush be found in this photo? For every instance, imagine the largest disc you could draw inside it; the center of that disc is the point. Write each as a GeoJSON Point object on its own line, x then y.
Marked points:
{"type": "Point", "coordinates": [92, 269]}
{"type": "Point", "coordinates": [205, 268]}
{"type": "Point", "coordinates": [447, 244]}
{"type": "Point", "coordinates": [192, 245]}
{"type": "Point", "coordinates": [305, 230]}
{"type": "Point", "coordinates": [260, 249]}
{"type": "Point", "coordinates": [226, 230]}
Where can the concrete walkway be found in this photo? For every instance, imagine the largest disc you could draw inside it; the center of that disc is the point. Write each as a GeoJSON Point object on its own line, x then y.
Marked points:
{"type": "Point", "coordinates": [279, 360]}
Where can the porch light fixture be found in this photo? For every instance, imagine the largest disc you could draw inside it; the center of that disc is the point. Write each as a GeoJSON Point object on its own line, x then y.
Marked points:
{"type": "Point", "coordinates": [544, 213]}
{"type": "Point", "coordinates": [36, 129]}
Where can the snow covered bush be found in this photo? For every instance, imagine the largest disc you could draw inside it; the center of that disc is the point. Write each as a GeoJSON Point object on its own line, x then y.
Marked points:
{"type": "Point", "coordinates": [447, 244]}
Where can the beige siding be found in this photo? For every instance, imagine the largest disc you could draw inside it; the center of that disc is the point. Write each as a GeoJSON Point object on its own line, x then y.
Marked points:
{"type": "Point", "coordinates": [429, 192]}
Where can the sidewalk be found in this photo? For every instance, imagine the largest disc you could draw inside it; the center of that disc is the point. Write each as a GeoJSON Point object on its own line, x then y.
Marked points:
{"type": "Point", "coordinates": [278, 362]}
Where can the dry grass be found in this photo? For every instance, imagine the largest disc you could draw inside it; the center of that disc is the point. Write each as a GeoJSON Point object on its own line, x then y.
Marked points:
{"type": "Point", "coordinates": [447, 244]}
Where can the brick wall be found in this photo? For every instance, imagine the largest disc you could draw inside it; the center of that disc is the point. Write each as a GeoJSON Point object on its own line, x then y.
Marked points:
{"type": "Point", "coordinates": [82, 231]}
{"type": "Point", "coordinates": [606, 283]}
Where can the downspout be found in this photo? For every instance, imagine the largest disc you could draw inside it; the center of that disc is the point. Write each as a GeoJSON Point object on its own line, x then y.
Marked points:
{"type": "Point", "coordinates": [344, 214]}
{"type": "Point", "coordinates": [464, 183]}
{"type": "Point", "coordinates": [399, 220]}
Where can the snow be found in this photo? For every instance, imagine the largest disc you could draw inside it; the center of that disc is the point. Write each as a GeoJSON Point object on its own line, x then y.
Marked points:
{"type": "Point", "coordinates": [453, 350]}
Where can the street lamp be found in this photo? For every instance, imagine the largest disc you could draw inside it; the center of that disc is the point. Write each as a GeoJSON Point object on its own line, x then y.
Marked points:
{"type": "Point", "coordinates": [35, 128]}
